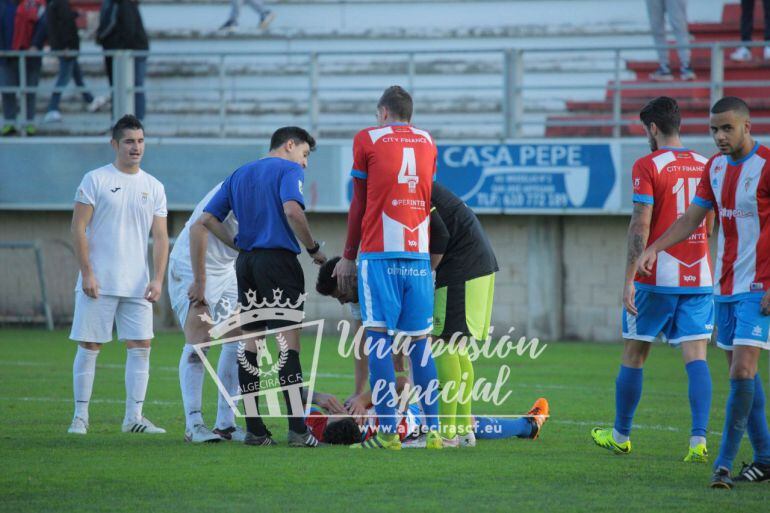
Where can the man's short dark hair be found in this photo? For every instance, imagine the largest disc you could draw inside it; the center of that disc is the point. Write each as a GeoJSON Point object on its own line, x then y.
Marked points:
{"type": "Point", "coordinates": [326, 284]}
{"type": "Point", "coordinates": [664, 112]}
{"type": "Point", "coordinates": [291, 133]}
{"type": "Point", "coordinates": [344, 431]}
{"type": "Point", "coordinates": [127, 122]}
{"type": "Point", "coordinates": [398, 102]}
{"type": "Point", "coordinates": [730, 103]}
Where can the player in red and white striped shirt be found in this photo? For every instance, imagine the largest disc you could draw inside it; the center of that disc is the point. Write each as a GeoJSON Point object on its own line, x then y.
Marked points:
{"type": "Point", "coordinates": [675, 303]}
{"type": "Point", "coordinates": [736, 184]}
{"type": "Point", "coordinates": [394, 166]}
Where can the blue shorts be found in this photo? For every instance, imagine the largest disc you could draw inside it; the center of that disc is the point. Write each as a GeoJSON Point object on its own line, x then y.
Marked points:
{"type": "Point", "coordinates": [675, 318]}
{"type": "Point", "coordinates": [741, 323]}
{"type": "Point", "coordinates": [397, 294]}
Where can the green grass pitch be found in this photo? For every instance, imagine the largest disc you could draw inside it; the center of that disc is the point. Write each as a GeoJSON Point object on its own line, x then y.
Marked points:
{"type": "Point", "coordinates": [44, 469]}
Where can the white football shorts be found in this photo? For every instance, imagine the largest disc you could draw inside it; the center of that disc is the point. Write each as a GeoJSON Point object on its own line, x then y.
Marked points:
{"type": "Point", "coordinates": [94, 318]}
{"type": "Point", "coordinates": [221, 291]}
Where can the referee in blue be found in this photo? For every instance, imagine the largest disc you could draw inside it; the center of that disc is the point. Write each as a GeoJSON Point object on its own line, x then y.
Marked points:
{"type": "Point", "coordinates": [266, 198]}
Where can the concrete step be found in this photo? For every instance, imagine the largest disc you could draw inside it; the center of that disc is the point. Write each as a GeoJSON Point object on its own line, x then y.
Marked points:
{"type": "Point", "coordinates": [709, 32]}
{"type": "Point", "coordinates": [688, 106]}
{"type": "Point", "coordinates": [648, 90]}
{"type": "Point", "coordinates": [364, 16]}
{"type": "Point", "coordinates": [754, 70]}
{"type": "Point", "coordinates": [601, 126]}
{"type": "Point", "coordinates": [731, 13]}
{"type": "Point", "coordinates": [196, 125]}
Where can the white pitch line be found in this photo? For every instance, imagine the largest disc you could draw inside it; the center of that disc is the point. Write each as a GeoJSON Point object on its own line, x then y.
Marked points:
{"type": "Point", "coordinates": [154, 368]}
{"type": "Point", "coordinates": [643, 427]}
{"type": "Point", "coordinates": [104, 401]}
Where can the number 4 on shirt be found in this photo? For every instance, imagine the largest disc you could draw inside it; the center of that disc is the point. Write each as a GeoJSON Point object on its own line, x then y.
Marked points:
{"type": "Point", "coordinates": [408, 172]}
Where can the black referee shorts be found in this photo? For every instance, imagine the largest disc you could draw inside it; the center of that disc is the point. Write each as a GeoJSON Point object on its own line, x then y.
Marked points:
{"type": "Point", "coordinates": [266, 270]}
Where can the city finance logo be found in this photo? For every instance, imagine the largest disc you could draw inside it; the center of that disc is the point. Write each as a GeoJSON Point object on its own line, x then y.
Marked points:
{"type": "Point", "coordinates": [264, 353]}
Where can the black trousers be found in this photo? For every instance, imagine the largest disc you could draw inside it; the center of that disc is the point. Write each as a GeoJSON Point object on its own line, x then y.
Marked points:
{"type": "Point", "coordinates": [747, 19]}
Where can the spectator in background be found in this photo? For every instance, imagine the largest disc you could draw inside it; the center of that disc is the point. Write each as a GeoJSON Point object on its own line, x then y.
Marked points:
{"type": "Point", "coordinates": [21, 28]}
{"type": "Point", "coordinates": [121, 28]}
{"type": "Point", "coordinates": [743, 53]}
{"type": "Point", "coordinates": [63, 35]}
{"type": "Point", "coordinates": [676, 11]}
{"type": "Point", "coordinates": [266, 16]}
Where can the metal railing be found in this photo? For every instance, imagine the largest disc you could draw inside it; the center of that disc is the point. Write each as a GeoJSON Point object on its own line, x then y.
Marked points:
{"type": "Point", "coordinates": [47, 315]}
{"type": "Point", "coordinates": [513, 80]}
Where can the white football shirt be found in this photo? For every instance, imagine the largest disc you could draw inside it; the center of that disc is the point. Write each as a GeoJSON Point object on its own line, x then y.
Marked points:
{"type": "Point", "coordinates": [220, 258]}
{"type": "Point", "coordinates": [124, 207]}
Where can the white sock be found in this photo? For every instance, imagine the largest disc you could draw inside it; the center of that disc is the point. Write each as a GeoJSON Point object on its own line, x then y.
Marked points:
{"type": "Point", "coordinates": [83, 371]}
{"type": "Point", "coordinates": [227, 370]}
{"type": "Point", "coordinates": [619, 438]}
{"type": "Point", "coordinates": [191, 381]}
{"type": "Point", "coordinates": [137, 376]}
{"type": "Point", "coordinates": [696, 440]}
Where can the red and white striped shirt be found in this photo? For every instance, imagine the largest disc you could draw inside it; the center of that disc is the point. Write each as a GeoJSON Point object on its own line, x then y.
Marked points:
{"type": "Point", "coordinates": [667, 179]}
{"type": "Point", "coordinates": [739, 192]}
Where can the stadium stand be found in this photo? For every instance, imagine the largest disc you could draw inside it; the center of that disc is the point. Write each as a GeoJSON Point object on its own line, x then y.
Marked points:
{"type": "Point", "coordinates": [203, 82]}
{"type": "Point", "coordinates": [694, 100]}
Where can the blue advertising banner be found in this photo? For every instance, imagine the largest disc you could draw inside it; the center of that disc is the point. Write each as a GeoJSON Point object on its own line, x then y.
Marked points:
{"type": "Point", "coordinates": [533, 178]}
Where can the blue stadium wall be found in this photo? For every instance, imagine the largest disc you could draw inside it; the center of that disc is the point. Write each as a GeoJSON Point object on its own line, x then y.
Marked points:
{"type": "Point", "coordinates": [556, 213]}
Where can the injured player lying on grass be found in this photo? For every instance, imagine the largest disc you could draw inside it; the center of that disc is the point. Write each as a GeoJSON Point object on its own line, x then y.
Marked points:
{"type": "Point", "coordinates": [331, 422]}
{"type": "Point", "coordinates": [464, 430]}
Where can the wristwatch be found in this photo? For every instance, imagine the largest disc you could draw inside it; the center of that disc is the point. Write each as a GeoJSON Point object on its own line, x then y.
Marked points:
{"type": "Point", "coordinates": [315, 249]}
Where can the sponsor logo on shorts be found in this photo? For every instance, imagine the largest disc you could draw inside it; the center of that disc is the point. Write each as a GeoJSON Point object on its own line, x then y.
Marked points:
{"type": "Point", "coordinates": [406, 271]}
{"type": "Point", "coordinates": [709, 327]}
{"type": "Point", "coordinates": [757, 331]}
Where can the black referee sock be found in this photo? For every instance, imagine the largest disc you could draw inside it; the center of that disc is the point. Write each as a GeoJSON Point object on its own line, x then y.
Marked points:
{"type": "Point", "coordinates": [249, 384]}
{"type": "Point", "coordinates": [291, 374]}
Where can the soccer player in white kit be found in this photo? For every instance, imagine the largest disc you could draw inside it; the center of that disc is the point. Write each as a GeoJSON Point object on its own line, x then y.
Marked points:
{"type": "Point", "coordinates": [116, 208]}
{"type": "Point", "coordinates": [201, 279]}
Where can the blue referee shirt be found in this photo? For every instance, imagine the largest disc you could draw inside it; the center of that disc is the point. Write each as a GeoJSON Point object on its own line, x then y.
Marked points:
{"type": "Point", "coordinates": [255, 193]}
